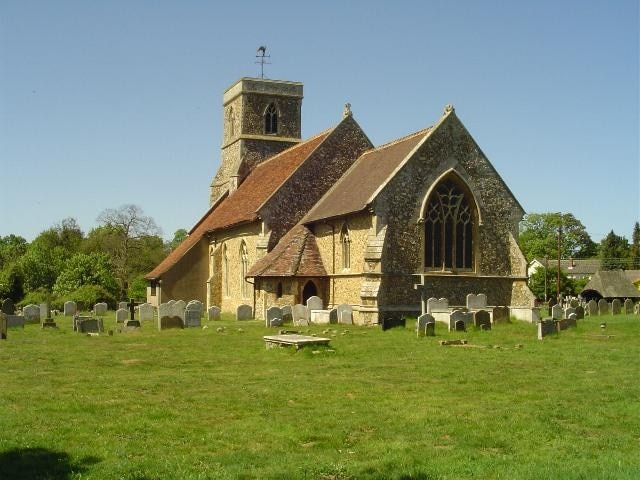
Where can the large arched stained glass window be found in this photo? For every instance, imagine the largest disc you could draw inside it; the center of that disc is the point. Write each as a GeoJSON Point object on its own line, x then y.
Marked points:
{"type": "Point", "coordinates": [449, 228]}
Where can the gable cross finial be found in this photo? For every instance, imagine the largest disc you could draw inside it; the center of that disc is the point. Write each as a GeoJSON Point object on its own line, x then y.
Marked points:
{"type": "Point", "coordinates": [347, 111]}
{"type": "Point", "coordinates": [262, 54]}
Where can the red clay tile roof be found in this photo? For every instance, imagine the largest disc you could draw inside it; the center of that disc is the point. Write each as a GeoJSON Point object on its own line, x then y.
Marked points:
{"type": "Point", "coordinates": [242, 205]}
{"type": "Point", "coordinates": [296, 254]}
{"type": "Point", "coordinates": [358, 185]}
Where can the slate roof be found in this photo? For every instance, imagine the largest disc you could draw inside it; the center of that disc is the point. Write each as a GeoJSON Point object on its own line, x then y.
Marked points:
{"type": "Point", "coordinates": [612, 284]}
{"type": "Point", "coordinates": [574, 266]}
{"type": "Point", "coordinates": [296, 254]}
{"type": "Point", "coordinates": [359, 185]}
{"type": "Point", "coordinates": [243, 204]}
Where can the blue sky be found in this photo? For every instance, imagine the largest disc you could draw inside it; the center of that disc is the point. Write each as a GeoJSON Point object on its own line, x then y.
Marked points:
{"type": "Point", "coordinates": [108, 103]}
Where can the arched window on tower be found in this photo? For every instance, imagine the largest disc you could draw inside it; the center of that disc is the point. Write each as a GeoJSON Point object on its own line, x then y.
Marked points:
{"type": "Point", "coordinates": [271, 119]}
{"type": "Point", "coordinates": [449, 227]}
{"type": "Point", "coordinates": [225, 261]}
{"type": "Point", "coordinates": [345, 241]}
{"type": "Point", "coordinates": [231, 122]}
{"type": "Point", "coordinates": [244, 268]}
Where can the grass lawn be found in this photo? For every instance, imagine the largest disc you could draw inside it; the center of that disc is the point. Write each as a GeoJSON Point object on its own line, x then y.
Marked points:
{"type": "Point", "coordinates": [200, 404]}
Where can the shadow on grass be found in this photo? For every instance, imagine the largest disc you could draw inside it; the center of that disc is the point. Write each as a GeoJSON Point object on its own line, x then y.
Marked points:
{"type": "Point", "coordinates": [41, 464]}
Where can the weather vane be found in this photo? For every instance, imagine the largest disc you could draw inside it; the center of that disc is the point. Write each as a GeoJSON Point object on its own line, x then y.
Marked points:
{"type": "Point", "coordinates": [262, 54]}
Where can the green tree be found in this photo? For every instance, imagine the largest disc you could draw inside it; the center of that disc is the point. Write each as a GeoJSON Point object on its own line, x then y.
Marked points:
{"type": "Point", "coordinates": [86, 269]}
{"type": "Point", "coordinates": [614, 252]}
{"type": "Point", "coordinates": [12, 248]}
{"type": "Point", "coordinates": [634, 251]}
{"type": "Point", "coordinates": [178, 237]}
{"type": "Point", "coordinates": [539, 236]}
{"type": "Point", "coordinates": [537, 283]}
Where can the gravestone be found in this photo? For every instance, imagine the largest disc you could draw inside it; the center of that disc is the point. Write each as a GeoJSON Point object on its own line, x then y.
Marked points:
{"type": "Point", "coordinates": [616, 307]}
{"type": "Point", "coordinates": [466, 317]}
{"type": "Point", "coordinates": [345, 314]}
{"type": "Point", "coordinates": [573, 303]}
{"type": "Point", "coordinates": [287, 314]}
{"type": "Point", "coordinates": [393, 322]}
{"type": "Point", "coordinates": [636, 309]}
{"type": "Point", "coordinates": [31, 313]}
{"type": "Point", "coordinates": [273, 313]}
{"type": "Point", "coordinates": [121, 315]}
{"type": "Point", "coordinates": [177, 308]}
{"type": "Point", "coordinates": [501, 315]}
{"type": "Point", "coordinates": [8, 308]}
{"type": "Point", "coordinates": [100, 309]}
{"type": "Point", "coordinates": [314, 303]}
{"type": "Point", "coordinates": [628, 306]}
{"type": "Point", "coordinates": [70, 308]}
{"type": "Point", "coordinates": [569, 311]}
{"type": "Point", "coordinates": [77, 319]}
{"type": "Point", "coordinates": [459, 326]}
{"type": "Point", "coordinates": [592, 308]}
{"type": "Point", "coordinates": [437, 305]}
{"type": "Point", "coordinates": [197, 303]}
{"type": "Point", "coordinates": [275, 322]}
{"type": "Point", "coordinates": [482, 319]}
{"type": "Point", "coordinates": [320, 317]}
{"type": "Point", "coordinates": [579, 312]}
{"type": "Point", "coordinates": [421, 325]}
{"type": "Point", "coordinates": [333, 315]}
{"type": "Point", "coordinates": [430, 329]}
{"type": "Point", "coordinates": [556, 312]}
{"type": "Point", "coordinates": [15, 321]}
{"type": "Point", "coordinates": [192, 316]}
{"type": "Point", "coordinates": [300, 314]}
{"type": "Point", "coordinates": [572, 320]}
{"type": "Point", "coordinates": [547, 327]}
{"type": "Point", "coordinates": [3, 326]}
{"type": "Point", "coordinates": [90, 325]}
{"type": "Point", "coordinates": [214, 313]}
{"type": "Point", "coordinates": [170, 322]}
{"type": "Point", "coordinates": [476, 302]}
{"type": "Point", "coordinates": [171, 302]}
{"type": "Point", "coordinates": [244, 312]}
{"type": "Point", "coordinates": [123, 305]}
{"type": "Point", "coordinates": [132, 324]}
{"type": "Point", "coordinates": [146, 312]}
{"type": "Point", "coordinates": [603, 307]}
{"type": "Point", "coordinates": [44, 311]}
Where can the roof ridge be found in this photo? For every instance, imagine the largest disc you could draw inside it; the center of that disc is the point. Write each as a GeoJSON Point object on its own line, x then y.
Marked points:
{"type": "Point", "coordinates": [401, 139]}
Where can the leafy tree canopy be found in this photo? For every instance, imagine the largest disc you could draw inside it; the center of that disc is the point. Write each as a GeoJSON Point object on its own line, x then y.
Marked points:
{"type": "Point", "coordinates": [614, 252]}
{"type": "Point", "coordinates": [178, 237]}
{"type": "Point", "coordinates": [537, 283]}
{"type": "Point", "coordinates": [86, 269]}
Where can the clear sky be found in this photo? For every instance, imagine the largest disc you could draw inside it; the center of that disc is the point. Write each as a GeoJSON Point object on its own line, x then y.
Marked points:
{"type": "Point", "coordinates": [116, 102]}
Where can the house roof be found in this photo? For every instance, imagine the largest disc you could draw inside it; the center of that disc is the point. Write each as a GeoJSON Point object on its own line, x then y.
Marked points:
{"type": "Point", "coordinates": [296, 254]}
{"type": "Point", "coordinates": [612, 284]}
{"type": "Point", "coordinates": [242, 205]}
{"type": "Point", "coordinates": [573, 266]}
{"type": "Point", "coordinates": [359, 185]}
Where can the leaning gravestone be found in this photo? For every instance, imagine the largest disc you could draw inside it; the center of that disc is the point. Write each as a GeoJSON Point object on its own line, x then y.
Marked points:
{"type": "Point", "coordinates": [31, 313]}
{"type": "Point", "coordinates": [603, 307]}
{"type": "Point", "coordinates": [122, 314]}
{"type": "Point", "coordinates": [3, 326]}
{"type": "Point", "coordinates": [314, 303]}
{"type": "Point", "coordinates": [616, 307]}
{"type": "Point", "coordinates": [244, 312]}
{"type": "Point", "coordinates": [421, 325]}
{"type": "Point", "coordinates": [273, 313]}
{"type": "Point", "coordinates": [214, 313]}
{"type": "Point", "coordinates": [8, 308]}
{"type": "Point", "coordinates": [628, 306]}
{"type": "Point", "coordinates": [592, 308]}
{"type": "Point", "coordinates": [547, 327]}
{"type": "Point", "coordinates": [70, 308]}
{"type": "Point", "coordinates": [100, 309]}
{"type": "Point", "coordinates": [556, 312]}
{"type": "Point", "coordinates": [287, 314]}
{"type": "Point", "coordinates": [437, 305]}
{"type": "Point", "coordinates": [345, 313]}
{"type": "Point", "coordinates": [482, 319]}
{"type": "Point", "coordinates": [300, 314]}
{"type": "Point", "coordinates": [579, 312]}
{"type": "Point", "coordinates": [146, 312]}
{"type": "Point", "coordinates": [459, 315]}
{"type": "Point", "coordinates": [501, 315]}
{"type": "Point", "coordinates": [476, 302]}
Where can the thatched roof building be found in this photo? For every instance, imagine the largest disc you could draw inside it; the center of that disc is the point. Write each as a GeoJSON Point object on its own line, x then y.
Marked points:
{"type": "Point", "coordinates": [610, 284]}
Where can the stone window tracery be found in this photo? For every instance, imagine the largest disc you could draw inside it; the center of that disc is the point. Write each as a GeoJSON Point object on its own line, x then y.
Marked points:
{"type": "Point", "coordinates": [244, 268]}
{"type": "Point", "coordinates": [345, 242]}
{"type": "Point", "coordinates": [271, 119]}
{"type": "Point", "coordinates": [449, 228]}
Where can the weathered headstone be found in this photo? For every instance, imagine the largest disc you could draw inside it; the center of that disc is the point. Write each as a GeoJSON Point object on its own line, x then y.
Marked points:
{"type": "Point", "coordinates": [100, 309]}
{"type": "Point", "coordinates": [556, 312]}
{"type": "Point", "coordinates": [31, 313]}
{"type": "Point", "coordinates": [572, 320]}
{"type": "Point", "coordinates": [15, 321]}
{"type": "Point", "coordinates": [123, 305]}
{"type": "Point", "coordinates": [592, 308]}
{"type": "Point", "coordinates": [430, 329]}
{"type": "Point", "coordinates": [616, 307]}
{"type": "Point", "coordinates": [170, 322]}
{"type": "Point", "coordinates": [579, 312]}
{"type": "Point", "coordinates": [393, 322]}
{"type": "Point", "coordinates": [178, 308]}
{"type": "Point", "coordinates": [437, 305]}
{"type": "Point", "coordinates": [244, 312]}
{"type": "Point", "coordinates": [275, 322]}
{"type": "Point", "coordinates": [459, 326]}
{"type": "Point", "coordinates": [132, 324]}
{"type": "Point", "coordinates": [466, 317]}
{"type": "Point", "coordinates": [192, 317]}
{"type": "Point", "coordinates": [476, 302]}
{"type": "Point", "coordinates": [45, 311]}
{"type": "Point", "coordinates": [314, 303]}
{"type": "Point", "coordinates": [214, 313]}
{"type": "Point", "coordinates": [636, 309]}
{"type": "Point", "coordinates": [628, 306]}
{"type": "Point", "coordinates": [273, 312]}
{"type": "Point", "coordinates": [90, 325]}
{"type": "Point", "coordinates": [320, 317]}
{"type": "Point", "coordinates": [569, 311]}
{"type": "Point", "coordinates": [603, 307]}
{"type": "Point", "coordinates": [501, 315]}
{"type": "Point", "coordinates": [287, 314]}
{"type": "Point", "coordinates": [70, 308]}
{"type": "Point", "coordinates": [547, 327]}
{"type": "Point", "coordinates": [146, 312]}
{"type": "Point", "coordinates": [421, 325]}
{"type": "Point", "coordinates": [301, 315]}
{"type": "Point", "coordinates": [333, 315]}
{"type": "Point", "coordinates": [482, 319]}
{"type": "Point", "coordinates": [345, 313]}
{"type": "Point", "coordinates": [121, 315]}
{"type": "Point", "coordinates": [8, 308]}
{"type": "Point", "coordinates": [3, 326]}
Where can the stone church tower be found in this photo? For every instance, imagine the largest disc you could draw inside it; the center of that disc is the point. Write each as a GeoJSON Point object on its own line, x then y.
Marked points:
{"type": "Point", "coordinates": [261, 118]}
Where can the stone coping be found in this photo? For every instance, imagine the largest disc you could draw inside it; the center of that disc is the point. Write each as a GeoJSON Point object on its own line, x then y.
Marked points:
{"type": "Point", "coordinates": [297, 341]}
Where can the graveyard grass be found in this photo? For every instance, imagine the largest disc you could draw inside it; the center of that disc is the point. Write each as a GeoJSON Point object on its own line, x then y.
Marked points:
{"type": "Point", "coordinates": [203, 404]}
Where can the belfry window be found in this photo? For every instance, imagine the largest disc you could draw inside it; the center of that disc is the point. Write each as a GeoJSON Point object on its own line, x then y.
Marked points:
{"type": "Point", "coordinates": [271, 119]}
{"type": "Point", "coordinates": [345, 241]}
{"type": "Point", "coordinates": [449, 228]}
{"type": "Point", "coordinates": [244, 268]}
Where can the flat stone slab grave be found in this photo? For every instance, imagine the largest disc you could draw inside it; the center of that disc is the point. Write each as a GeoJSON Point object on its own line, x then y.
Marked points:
{"type": "Point", "coordinates": [297, 341]}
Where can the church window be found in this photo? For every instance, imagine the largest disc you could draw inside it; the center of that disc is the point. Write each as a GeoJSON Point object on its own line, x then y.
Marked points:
{"type": "Point", "coordinates": [346, 247]}
{"type": "Point", "coordinates": [279, 290]}
{"type": "Point", "coordinates": [271, 119]}
{"type": "Point", "coordinates": [231, 120]}
{"type": "Point", "coordinates": [153, 288]}
{"type": "Point", "coordinates": [225, 261]}
{"type": "Point", "coordinates": [449, 228]}
{"type": "Point", "coordinates": [244, 268]}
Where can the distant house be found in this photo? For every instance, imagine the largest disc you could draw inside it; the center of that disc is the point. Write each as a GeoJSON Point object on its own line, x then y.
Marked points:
{"type": "Point", "coordinates": [610, 284]}
{"type": "Point", "coordinates": [572, 267]}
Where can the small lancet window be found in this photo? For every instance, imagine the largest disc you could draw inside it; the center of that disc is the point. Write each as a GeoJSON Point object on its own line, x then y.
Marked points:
{"type": "Point", "coordinates": [279, 290]}
{"type": "Point", "coordinates": [449, 228]}
{"type": "Point", "coordinates": [225, 260]}
{"type": "Point", "coordinates": [231, 122]}
{"type": "Point", "coordinates": [271, 119]}
{"type": "Point", "coordinates": [346, 247]}
{"type": "Point", "coordinates": [244, 268]}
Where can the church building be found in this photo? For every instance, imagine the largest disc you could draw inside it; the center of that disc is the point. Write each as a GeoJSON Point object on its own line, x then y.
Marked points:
{"type": "Point", "coordinates": [380, 228]}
